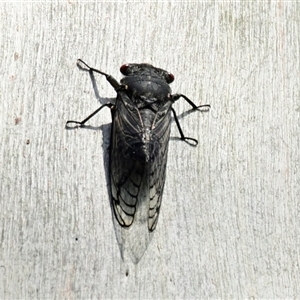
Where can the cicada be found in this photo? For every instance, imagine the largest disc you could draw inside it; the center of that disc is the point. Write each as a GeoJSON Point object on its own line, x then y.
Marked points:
{"type": "Point", "coordinates": [140, 133]}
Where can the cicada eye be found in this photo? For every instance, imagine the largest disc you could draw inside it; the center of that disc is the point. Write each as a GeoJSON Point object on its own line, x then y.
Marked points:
{"type": "Point", "coordinates": [123, 69]}
{"type": "Point", "coordinates": [170, 78]}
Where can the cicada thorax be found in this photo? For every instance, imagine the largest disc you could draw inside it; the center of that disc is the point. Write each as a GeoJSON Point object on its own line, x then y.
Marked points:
{"type": "Point", "coordinates": [147, 99]}
{"type": "Point", "coordinates": [146, 87]}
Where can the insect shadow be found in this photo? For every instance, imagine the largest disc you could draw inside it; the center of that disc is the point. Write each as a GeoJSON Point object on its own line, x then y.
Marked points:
{"type": "Point", "coordinates": [105, 128]}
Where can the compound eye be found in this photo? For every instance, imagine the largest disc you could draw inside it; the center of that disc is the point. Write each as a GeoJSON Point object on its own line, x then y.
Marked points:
{"type": "Point", "coordinates": [124, 68]}
{"type": "Point", "coordinates": [170, 78]}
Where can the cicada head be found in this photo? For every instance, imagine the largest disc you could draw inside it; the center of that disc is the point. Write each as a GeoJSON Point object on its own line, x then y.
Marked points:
{"type": "Point", "coordinates": [146, 70]}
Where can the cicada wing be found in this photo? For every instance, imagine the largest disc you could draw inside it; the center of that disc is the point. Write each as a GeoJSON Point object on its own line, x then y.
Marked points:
{"type": "Point", "coordinates": [126, 171]}
{"type": "Point", "coordinates": [129, 173]}
{"type": "Point", "coordinates": [159, 156]}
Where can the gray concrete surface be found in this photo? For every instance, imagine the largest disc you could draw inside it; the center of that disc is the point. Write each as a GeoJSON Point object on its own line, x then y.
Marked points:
{"type": "Point", "coordinates": [229, 224]}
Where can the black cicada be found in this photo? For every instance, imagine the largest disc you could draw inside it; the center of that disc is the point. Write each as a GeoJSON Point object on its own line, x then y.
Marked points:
{"type": "Point", "coordinates": [141, 124]}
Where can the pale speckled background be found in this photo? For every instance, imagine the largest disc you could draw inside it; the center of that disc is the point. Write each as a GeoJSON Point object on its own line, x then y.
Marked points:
{"type": "Point", "coordinates": [230, 218]}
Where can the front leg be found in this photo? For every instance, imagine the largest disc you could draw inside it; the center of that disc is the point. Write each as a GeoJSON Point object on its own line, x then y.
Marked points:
{"type": "Point", "coordinates": [114, 83]}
